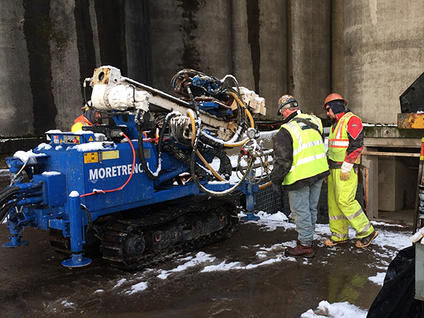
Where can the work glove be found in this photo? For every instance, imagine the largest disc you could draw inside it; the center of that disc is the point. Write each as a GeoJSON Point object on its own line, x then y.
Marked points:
{"type": "Point", "coordinates": [345, 170]}
{"type": "Point", "coordinates": [276, 189]}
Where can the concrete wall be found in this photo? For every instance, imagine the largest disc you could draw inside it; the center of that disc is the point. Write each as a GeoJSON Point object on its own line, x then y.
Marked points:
{"type": "Point", "coordinates": [15, 91]}
{"type": "Point", "coordinates": [66, 89]}
{"type": "Point", "coordinates": [370, 51]}
{"type": "Point", "coordinates": [337, 45]}
{"type": "Point", "coordinates": [273, 70]}
{"type": "Point", "coordinates": [310, 52]}
{"type": "Point", "coordinates": [383, 42]}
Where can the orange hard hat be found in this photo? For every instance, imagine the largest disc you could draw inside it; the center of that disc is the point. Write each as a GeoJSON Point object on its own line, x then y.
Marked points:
{"type": "Point", "coordinates": [333, 96]}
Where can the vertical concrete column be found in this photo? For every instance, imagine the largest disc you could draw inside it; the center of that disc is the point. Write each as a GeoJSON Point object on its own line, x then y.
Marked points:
{"type": "Point", "coordinates": [212, 36]}
{"type": "Point", "coordinates": [384, 43]}
{"type": "Point", "coordinates": [337, 47]}
{"type": "Point", "coordinates": [189, 34]}
{"type": "Point", "coordinates": [66, 82]}
{"type": "Point", "coordinates": [273, 68]}
{"type": "Point", "coordinates": [167, 41]}
{"type": "Point", "coordinates": [137, 37]}
{"type": "Point", "coordinates": [95, 30]}
{"type": "Point", "coordinates": [16, 116]}
{"type": "Point", "coordinates": [242, 67]}
{"type": "Point", "coordinates": [310, 52]}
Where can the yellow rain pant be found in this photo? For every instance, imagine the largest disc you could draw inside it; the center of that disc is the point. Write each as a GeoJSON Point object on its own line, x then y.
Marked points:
{"type": "Point", "coordinates": [343, 209]}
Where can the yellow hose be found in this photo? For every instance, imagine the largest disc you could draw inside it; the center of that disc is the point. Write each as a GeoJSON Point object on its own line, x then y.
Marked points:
{"type": "Point", "coordinates": [265, 185]}
{"type": "Point", "coordinates": [252, 123]}
{"type": "Point", "coordinates": [193, 135]}
{"type": "Point", "coordinates": [239, 144]}
{"type": "Point", "coordinates": [193, 126]}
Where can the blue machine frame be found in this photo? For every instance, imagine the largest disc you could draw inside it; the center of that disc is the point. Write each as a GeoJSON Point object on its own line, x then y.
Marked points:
{"type": "Point", "coordinates": [75, 180]}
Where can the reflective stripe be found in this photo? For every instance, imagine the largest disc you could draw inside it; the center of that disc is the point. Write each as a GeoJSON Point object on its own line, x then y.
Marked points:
{"type": "Point", "coordinates": [364, 230]}
{"type": "Point", "coordinates": [354, 215]}
{"type": "Point", "coordinates": [339, 143]}
{"type": "Point", "coordinates": [307, 145]}
{"type": "Point", "coordinates": [336, 217]}
{"type": "Point", "coordinates": [341, 236]}
{"type": "Point", "coordinates": [342, 120]}
{"type": "Point", "coordinates": [296, 132]}
{"type": "Point", "coordinates": [308, 159]}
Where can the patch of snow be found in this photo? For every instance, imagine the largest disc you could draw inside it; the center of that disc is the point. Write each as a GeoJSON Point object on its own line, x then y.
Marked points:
{"type": "Point", "coordinates": [98, 291]}
{"type": "Point", "coordinates": [43, 146]}
{"type": "Point", "coordinates": [50, 173]}
{"type": "Point", "coordinates": [120, 282]}
{"type": "Point", "coordinates": [83, 132]}
{"type": "Point", "coordinates": [378, 279]}
{"type": "Point", "coordinates": [67, 304]}
{"type": "Point", "coordinates": [335, 310]}
{"type": "Point", "coordinates": [270, 222]}
{"type": "Point", "coordinates": [90, 146]}
{"type": "Point", "coordinates": [223, 266]}
{"type": "Point", "coordinates": [137, 288]}
{"type": "Point", "coordinates": [27, 156]}
{"type": "Point", "coordinates": [374, 223]}
{"type": "Point", "coordinates": [58, 147]}
{"type": "Point", "coordinates": [74, 194]}
{"type": "Point", "coordinates": [201, 257]}
{"type": "Point", "coordinates": [53, 131]}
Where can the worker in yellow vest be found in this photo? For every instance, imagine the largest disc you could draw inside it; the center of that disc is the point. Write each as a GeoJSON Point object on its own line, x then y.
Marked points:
{"type": "Point", "coordinates": [300, 165]}
{"type": "Point", "coordinates": [90, 117]}
{"type": "Point", "coordinates": [345, 144]}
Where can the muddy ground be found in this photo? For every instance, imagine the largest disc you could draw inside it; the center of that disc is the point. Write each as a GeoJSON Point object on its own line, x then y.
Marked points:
{"type": "Point", "coordinates": [262, 283]}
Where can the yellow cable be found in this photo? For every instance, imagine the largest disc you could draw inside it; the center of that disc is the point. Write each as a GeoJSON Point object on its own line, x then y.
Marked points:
{"type": "Point", "coordinates": [209, 167]}
{"type": "Point", "coordinates": [265, 185]}
{"type": "Point", "coordinates": [193, 126]}
{"type": "Point", "coordinates": [193, 132]}
{"type": "Point", "coordinates": [252, 123]}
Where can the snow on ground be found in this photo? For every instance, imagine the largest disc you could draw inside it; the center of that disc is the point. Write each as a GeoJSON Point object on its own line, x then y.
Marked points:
{"type": "Point", "coordinates": [335, 310]}
{"type": "Point", "coordinates": [389, 243]}
{"type": "Point", "coordinates": [378, 279]}
{"type": "Point", "coordinates": [390, 240]}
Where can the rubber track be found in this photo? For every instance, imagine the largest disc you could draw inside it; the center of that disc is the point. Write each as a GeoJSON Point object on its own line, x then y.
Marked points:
{"type": "Point", "coordinates": [114, 239]}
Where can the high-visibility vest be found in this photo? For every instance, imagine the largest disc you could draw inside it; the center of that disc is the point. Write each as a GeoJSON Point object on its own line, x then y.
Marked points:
{"type": "Point", "coordinates": [309, 158]}
{"type": "Point", "coordinates": [338, 140]}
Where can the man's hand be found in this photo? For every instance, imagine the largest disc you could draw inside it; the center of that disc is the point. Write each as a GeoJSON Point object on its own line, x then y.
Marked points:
{"type": "Point", "coordinates": [344, 176]}
{"type": "Point", "coordinates": [345, 170]}
{"type": "Point", "coordinates": [276, 189]}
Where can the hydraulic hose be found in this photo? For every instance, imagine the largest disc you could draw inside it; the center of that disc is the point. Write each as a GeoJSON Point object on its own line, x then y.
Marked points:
{"type": "Point", "coordinates": [193, 138]}
{"type": "Point", "coordinates": [195, 153]}
{"type": "Point", "coordinates": [216, 193]}
{"type": "Point", "coordinates": [7, 194]}
{"type": "Point", "coordinates": [5, 209]}
{"type": "Point", "coordinates": [233, 144]}
{"type": "Point", "coordinates": [143, 161]}
{"type": "Point", "coordinates": [150, 174]}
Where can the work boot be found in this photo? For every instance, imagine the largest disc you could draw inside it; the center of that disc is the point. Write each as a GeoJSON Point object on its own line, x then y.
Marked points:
{"type": "Point", "coordinates": [300, 250]}
{"type": "Point", "coordinates": [330, 243]}
{"type": "Point", "coordinates": [367, 240]}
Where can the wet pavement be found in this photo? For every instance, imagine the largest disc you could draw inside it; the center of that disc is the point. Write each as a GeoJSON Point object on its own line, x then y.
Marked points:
{"type": "Point", "coordinates": [245, 276]}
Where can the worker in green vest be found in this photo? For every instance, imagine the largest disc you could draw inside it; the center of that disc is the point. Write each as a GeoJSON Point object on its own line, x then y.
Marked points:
{"type": "Point", "coordinates": [345, 144]}
{"type": "Point", "coordinates": [300, 165]}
